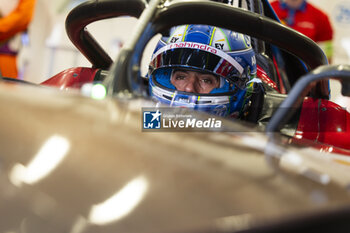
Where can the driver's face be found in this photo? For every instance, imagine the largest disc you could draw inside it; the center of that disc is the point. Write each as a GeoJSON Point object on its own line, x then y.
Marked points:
{"type": "Point", "coordinates": [191, 81]}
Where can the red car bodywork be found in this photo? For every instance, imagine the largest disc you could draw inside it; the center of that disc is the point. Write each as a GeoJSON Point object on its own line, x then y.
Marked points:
{"type": "Point", "coordinates": [325, 123]}
{"type": "Point", "coordinates": [72, 78]}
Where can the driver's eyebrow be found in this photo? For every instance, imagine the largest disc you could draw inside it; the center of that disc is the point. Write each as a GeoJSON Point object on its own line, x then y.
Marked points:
{"type": "Point", "coordinates": [181, 70]}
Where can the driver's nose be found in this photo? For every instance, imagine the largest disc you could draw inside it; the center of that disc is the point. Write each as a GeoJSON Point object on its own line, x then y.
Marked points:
{"type": "Point", "coordinates": [191, 85]}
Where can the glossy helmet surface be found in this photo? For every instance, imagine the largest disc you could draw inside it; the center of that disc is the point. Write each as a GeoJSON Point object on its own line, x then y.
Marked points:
{"type": "Point", "coordinates": [226, 54]}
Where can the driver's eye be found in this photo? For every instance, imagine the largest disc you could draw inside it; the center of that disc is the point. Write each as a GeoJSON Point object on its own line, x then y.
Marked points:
{"type": "Point", "coordinates": [209, 80]}
{"type": "Point", "coordinates": [180, 76]}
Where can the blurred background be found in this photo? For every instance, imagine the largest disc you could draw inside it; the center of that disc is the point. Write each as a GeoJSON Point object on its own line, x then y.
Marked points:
{"type": "Point", "coordinates": [47, 49]}
{"type": "Point", "coordinates": [339, 15]}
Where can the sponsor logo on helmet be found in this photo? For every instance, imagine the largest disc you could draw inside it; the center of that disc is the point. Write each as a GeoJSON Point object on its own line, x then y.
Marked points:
{"type": "Point", "coordinates": [193, 45]}
{"type": "Point", "coordinates": [174, 39]}
{"type": "Point", "coordinates": [219, 46]}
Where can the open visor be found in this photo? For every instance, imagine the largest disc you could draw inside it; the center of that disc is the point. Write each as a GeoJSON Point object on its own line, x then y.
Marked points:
{"type": "Point", "coordinates": [197, 56]}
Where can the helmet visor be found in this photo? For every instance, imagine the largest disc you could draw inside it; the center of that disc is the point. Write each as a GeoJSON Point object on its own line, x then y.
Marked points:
{"type": "Point", "coordinates": [197, 56]}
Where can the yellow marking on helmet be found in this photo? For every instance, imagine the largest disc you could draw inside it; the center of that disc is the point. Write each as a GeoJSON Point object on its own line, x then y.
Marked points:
{"type": "Point", "coordinates": [228, 43]}
{"type": "Point", "coordinates": [212, 36]}
{"type": "Point", "coordinates": [220, 40]}
{"type": "Point", "coordinates": [198, 98]}
{"type": "Point", "coordinates": [183, 37]}
{"type": "Point", "coordinates": [244, 41]}
{"type": "Point", "coordinates": [251, 84]}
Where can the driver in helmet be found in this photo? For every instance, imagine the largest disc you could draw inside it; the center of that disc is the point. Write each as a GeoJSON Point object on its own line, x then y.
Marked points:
{"type": "Point", "coordinates": [205, 68]}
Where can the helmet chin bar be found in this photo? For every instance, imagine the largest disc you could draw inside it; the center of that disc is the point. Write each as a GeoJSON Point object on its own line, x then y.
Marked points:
{"type": "Point", "coordinates": [216, 105]}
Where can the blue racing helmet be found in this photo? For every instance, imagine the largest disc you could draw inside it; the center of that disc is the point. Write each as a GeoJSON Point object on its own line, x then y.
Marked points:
{"type": "Point", "coordinates": [225, 54]}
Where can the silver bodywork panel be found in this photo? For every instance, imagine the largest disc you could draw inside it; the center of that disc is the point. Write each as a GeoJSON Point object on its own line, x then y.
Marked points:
{"type": "Point", "coordinates": [142, 181]}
